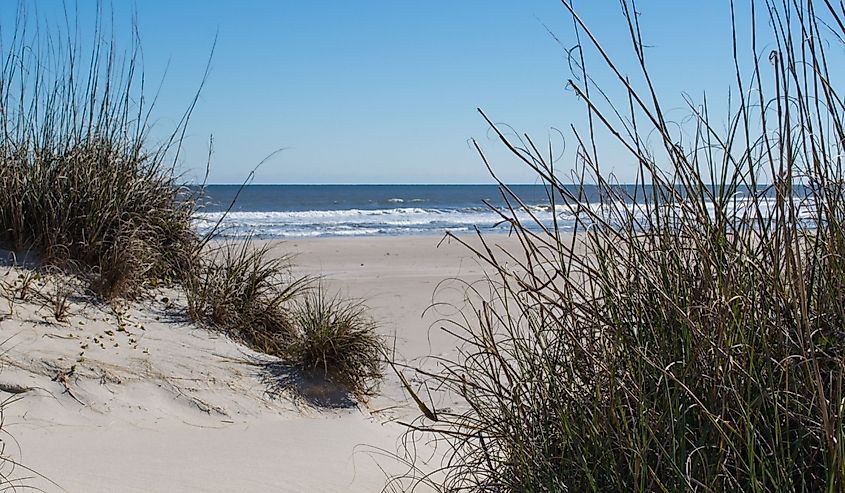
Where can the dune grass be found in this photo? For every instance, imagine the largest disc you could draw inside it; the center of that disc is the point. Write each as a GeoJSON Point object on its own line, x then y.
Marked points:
{"type": "Point", "coordinates": [243, 290]}
{"type": "Point", "coordinates": [83, 184]}
{"type": "Point", "coordinates": [238, 288]}
{"type": "Point", "coordinates": [87, 188]}
{"type": "Point", "coordinates": [690, 334]}
{"type": "Point", "coordinates": [337, 337]}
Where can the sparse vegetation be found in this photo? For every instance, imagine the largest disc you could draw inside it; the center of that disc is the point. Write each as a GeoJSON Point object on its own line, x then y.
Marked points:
{"type": "Point", "coordinates": [689, 335]}
{"type": "Point", "coordinates": [59, 298]}
{"type": "Point", "coordinates": [241, 290]}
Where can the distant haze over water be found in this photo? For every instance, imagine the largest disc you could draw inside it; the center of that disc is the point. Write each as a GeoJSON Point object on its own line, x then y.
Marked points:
{"type": "Point", "coordinates": [284, 211]}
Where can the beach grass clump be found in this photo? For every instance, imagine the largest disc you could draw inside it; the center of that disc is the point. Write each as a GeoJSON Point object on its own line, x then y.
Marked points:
{"type": "Point", "coordinates": [689, 334]}
{"type": "Point", "coordinates": [83, 184]}
{"type": "Point", "coordinates": [337, 337]}
{"type": "Point", "coordinates": [239, 288]}
{"type": "Point", "coordinates": [243, 290]}
{"type": "Point", "coordinates": [88, 189]}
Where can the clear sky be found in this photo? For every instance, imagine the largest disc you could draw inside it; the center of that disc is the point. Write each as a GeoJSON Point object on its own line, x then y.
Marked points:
{"type": "Point", "coordinates": [386, 91]}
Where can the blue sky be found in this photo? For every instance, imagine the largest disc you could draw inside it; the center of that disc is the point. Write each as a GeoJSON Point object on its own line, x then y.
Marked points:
{"type": "Point", "coordinates": [386, 91]}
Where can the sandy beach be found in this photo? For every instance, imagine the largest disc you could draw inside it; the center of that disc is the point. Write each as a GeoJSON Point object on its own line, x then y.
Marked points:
{"type": "Point", "coordinates": [139, 399]}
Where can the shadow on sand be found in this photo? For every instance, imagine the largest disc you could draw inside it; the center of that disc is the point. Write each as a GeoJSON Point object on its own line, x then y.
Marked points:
{"type": "Point", "coordinates": [308, 384]}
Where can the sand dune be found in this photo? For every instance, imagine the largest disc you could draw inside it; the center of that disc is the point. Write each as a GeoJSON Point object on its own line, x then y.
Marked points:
{"type": "Point", "coordinates": [140, 399]}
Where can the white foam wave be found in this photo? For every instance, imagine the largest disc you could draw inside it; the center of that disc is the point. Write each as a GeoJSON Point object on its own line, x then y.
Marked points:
{"type": "Point", "coordinates": [416, 220]}
{"type": "Point", "coordinates": [348, 222]}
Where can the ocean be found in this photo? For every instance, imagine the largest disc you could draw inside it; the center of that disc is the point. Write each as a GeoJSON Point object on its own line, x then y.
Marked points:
{"type": "Point", "coordinates": [289, 211]}
{"type": "Point", "coordinates": [285, 211]}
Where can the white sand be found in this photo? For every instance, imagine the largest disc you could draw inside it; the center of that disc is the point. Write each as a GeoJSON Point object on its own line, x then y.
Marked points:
{"type": "Point", "coordinates": [172, 407]}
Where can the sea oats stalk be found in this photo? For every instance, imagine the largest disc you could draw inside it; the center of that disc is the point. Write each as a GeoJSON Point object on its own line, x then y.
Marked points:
{"type": "Point", "coordinates": [83, 183]}
{"type": "Point", "coordinates": [690, 335]}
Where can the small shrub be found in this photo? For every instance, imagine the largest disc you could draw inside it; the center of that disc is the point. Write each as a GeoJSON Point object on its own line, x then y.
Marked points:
{"type": "Point", "coordinates": [338, 338]}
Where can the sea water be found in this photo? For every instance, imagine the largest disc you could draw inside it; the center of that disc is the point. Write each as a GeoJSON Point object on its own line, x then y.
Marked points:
{"type": "Point", "coordinates": [279, 211]}
{"type": "Point", "coordinates": [284, 211]}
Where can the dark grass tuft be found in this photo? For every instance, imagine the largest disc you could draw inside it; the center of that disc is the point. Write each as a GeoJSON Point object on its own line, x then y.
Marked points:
{"type": "Point", "coordinates": [82, 184]}
{"type": "Point", "coordinates": [336, 337]}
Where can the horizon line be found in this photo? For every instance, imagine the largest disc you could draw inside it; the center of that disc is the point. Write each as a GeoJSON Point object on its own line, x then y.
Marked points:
{"type": "Point", "coordinates": [420, 184]}
{"type": "Point", "coordinates": [369, 184]}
